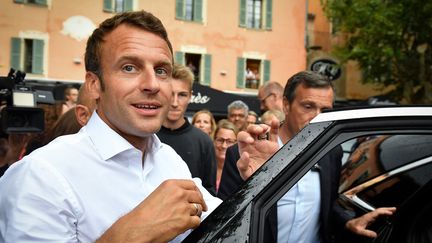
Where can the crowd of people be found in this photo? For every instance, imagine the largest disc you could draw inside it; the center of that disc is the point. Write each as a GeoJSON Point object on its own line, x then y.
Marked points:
{"type": "Point", "coordinates": [134, 168]}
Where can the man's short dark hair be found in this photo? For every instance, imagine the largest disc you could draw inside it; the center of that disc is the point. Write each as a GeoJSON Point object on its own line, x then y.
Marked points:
{"type": "Point", "coordinates": [307, 78]}
{"type": "Point", "coordinates": [140, 19]}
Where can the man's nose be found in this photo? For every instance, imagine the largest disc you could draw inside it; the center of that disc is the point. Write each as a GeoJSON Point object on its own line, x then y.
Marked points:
{"type": "Point", "coordinates": [149, 82]}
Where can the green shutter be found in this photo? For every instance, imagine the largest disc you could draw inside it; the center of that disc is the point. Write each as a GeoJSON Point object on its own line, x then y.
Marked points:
{"type": "Point", "coordinates": [37, 62]}
{"type": "Point", "coordinates": [19, 1]}
{"type": "Point", "coordinates": [207, 69]}
{"type": "Point", "coordinates": [198, 10]}
{"type": "Point", "coordinates": [127, 5]}
{"type": "Point", "coordinates": [15, 61]}
{"type": "Point", "coordinates": [41, 2]}
{"type": "Point", "coordinates": [242, 13]}
{"type": "Point", "coordinates": [268, 14]}
{"type": "Point", "coordinates": [266, 76]}
{"type": "Point", "coordinates": [179, 58]}
{"type": "Point", "coordinates": [241, 68]}
{"type": "Point", "coordinates": [179, 9]}
{"type": "Point", "coordinates": [108, 6]}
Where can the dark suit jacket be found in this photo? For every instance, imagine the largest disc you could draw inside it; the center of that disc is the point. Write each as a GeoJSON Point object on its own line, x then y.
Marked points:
{"type": "Point", "coordinates": [332, 216]}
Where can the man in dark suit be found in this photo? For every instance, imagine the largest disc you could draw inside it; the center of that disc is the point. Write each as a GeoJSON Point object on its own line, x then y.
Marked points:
{"type": "Point", "coordinates": [270, 96]}
{"type": "Point", "coordinates": [307, 212]}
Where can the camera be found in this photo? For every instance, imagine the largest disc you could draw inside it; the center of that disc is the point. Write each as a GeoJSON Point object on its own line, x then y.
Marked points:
{"type": "Point", "coordinates": [19, 113]}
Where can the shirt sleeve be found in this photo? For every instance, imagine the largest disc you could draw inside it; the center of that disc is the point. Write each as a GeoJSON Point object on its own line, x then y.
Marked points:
{"type": "Point", "coordinates": [37, 205]}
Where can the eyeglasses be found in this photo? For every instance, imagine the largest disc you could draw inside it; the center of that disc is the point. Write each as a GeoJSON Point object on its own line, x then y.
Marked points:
{"type": "Point", "coordinates": [264, 99]}
{"type": "Point", "coordinates": [221, 141]}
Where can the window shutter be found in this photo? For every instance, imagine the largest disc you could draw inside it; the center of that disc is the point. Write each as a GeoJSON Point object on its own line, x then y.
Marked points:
{"type": "Point", "coordinates": [179, 57]}
{"type": "Point", "coordinates": [37, 62]}
{"type": "Point", "coordinates": [242, 13]}
{"type": "Point", "coordinates": [179, 9]}
{"type": "Point", "coordinates": [127, 5]}
{"type": "Point", "coordinates": [241, 68]}
{"type": "Point", "coordinates": [198, 11]}
{"type": "Point", "coordinates": [41, 2]}
{"type": "Point", "coordinates": [108, 6]}
{"type": "Point", "coordinates": [266, 71]}
{"type": "Point", "coordinates": [15, 62]}
{"type": "Point", "coordinates": [268, 14]}
{"type": "Point", "coordinates": [207, 69]}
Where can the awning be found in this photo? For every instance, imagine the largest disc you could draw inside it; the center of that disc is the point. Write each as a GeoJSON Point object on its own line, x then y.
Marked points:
{"type": "Point", "coordinates": [216, 101]}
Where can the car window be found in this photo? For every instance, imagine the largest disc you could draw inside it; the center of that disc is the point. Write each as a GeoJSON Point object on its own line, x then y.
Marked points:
{"type": "Point", "coordinates": [397, 189]}
{"type": "Point", "coordinates": [366, 159]}
{"type": "Point", "coordinates": [386, 170]}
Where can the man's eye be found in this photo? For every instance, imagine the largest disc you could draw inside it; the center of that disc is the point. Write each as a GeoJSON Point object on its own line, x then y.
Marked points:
{"type": "Point", "coordinates": [128, 68]}
{"type": "Point", "coordinates": [161, 72]}
{"type": "Point", "coordinates": [307, 106]}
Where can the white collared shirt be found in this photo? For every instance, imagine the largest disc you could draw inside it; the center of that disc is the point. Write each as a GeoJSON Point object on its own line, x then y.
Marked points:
{"type": "Point", "coordinates": [75, 188]}
{"type": "Point", "coordinates": [298, 211]}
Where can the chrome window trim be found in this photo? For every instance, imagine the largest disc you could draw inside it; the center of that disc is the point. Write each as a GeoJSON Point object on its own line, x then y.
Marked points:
{"type": "Point", "coordinates": [359, 201]}
{"type": "Point", "coordinates": [354, 191]}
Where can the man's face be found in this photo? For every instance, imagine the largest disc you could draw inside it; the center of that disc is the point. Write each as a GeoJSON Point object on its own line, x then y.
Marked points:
{"type": "Point", "coordinates": [180, 100]}
{"type": "Point", "coordinates": [267, 101]}
{"type": "Point", "coordinates": [238, 117]}
{"type": "Point", "coordinates": [136, 67]}
{"type": "Point", "coordinates": [73, 95]}
{"type": "Point", "coordinates": [307, 104]}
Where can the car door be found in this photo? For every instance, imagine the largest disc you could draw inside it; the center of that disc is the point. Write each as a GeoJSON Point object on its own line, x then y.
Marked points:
{"type": "Point", "coordinates": [243, 216]}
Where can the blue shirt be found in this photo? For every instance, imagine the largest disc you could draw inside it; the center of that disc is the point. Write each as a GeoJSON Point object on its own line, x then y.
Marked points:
{"type": "Point", "coordinates": [298, 211]}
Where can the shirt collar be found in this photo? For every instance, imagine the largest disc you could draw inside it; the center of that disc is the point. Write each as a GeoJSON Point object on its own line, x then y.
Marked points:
{"type": "Point", "coordinates": [109, 143]}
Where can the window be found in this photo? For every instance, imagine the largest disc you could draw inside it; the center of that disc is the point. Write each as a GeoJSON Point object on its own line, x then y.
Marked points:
{"type": "Point", "coordinates": [118, 6]}
{"type": "Point", "coordinates": [251, 73]}
{"type": "Point", "coordinates": [200, 64]}
{"type": "Point", "coordinates": [27, 55]}
{"type": "Point", "coordinates": [256, 14]}
{"type": "Point", "coordinates": [190, 10]}
{"type": "Point", "coordinates": [36, 2]}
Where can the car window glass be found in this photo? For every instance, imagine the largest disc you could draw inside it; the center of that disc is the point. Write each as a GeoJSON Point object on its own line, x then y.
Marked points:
{"type": "Point", "coordinates": [372, 156]}
{"type": "Point", "coordinates": [396, 189]}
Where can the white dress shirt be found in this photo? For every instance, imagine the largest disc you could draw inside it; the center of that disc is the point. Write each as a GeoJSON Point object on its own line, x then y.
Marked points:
{"type": "Point", "coordinates": [75, 188]}
{"type": "Point", "coordinates": [298, 210]}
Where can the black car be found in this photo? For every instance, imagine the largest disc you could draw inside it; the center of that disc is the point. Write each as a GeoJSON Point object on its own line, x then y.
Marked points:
{"type": "Point", "coordinates": [387, 162]}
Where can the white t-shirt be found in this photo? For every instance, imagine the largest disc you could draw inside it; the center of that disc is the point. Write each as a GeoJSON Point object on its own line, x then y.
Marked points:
{"type": "Point", "coordinates": [75, 188]}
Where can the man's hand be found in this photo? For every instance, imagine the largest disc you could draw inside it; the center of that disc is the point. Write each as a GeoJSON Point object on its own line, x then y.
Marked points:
{"type": "Point", "coordinates": [256, 145]}
{"type": "Point", "coordinates": [174, 207]}
{"type": "Point", "coordinates": [358, 225]}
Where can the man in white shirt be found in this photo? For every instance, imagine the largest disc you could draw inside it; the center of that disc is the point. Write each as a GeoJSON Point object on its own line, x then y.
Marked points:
{"type": "Point", "coordinates": [114, 181]}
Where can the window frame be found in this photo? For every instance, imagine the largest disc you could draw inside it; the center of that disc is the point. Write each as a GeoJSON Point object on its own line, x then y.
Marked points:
{"type": "Point", "coordinates": [42, 3]}
{"type": "Point", "coordinates": [111, 6]}
{"type": "Point", "coordinates": [266, 15]}
{"type": "Point", "coordinates": [205, 66]}
{"type": "Point", "coordinates": [18, 57]}
{"type": "Point", "coordinates": [264, 71]}
{"type": "Point", "coordinates": [198, 9]}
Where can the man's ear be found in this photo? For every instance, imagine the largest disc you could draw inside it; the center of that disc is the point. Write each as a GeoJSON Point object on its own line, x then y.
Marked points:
{"type": "Point", "coordinates": [82, 114]}
{"type": "Point", "coordinates": [286, 105]}
{"type": "Point", "coordinates": [93, 85]}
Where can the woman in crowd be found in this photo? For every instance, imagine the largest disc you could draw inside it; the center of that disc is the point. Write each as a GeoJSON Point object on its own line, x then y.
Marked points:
{"type": "Point", "coordinates": [225, 136]}
{"type": "Point", "coordinates": [205, 121]}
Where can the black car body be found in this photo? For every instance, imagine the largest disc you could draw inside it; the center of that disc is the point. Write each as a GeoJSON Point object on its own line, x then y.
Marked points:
{"type": "Point", "coordinates": [402, 135]}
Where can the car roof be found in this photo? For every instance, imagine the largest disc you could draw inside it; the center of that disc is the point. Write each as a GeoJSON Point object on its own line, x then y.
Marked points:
{"type": "Point", "coordinates": [356, 113]}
